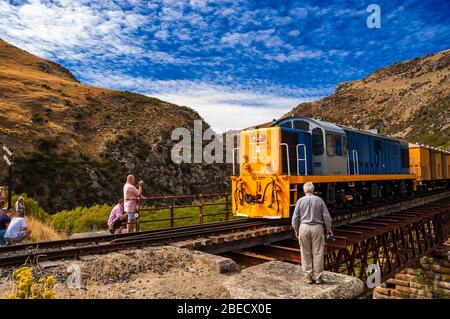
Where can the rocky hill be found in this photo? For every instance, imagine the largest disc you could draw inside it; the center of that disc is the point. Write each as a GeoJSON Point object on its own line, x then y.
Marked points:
{"type": "Point", "coordinates": [74, 143]}
{"type": "Point", "coordinates": [410, 100]}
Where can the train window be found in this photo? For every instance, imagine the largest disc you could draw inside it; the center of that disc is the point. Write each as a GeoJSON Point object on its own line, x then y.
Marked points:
{"type": "Point", "coordinates": [338, 145]}
{"type": "Point", "coordinates": [287, 124]}
{"type": "Point", "coordinates": [405, 157]}
{"type": "Point", "coordinates": [378, 146]}
{"type": "Point", "coordinates": [330, 144]}
{"type": "Point", "coordinates": [317, 141]}
{"type": "Point", "coordinates": [301, 125]}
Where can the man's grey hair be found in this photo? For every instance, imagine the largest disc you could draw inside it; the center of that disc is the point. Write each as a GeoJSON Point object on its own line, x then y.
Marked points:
{"type": "Point", "coordinates": [308, 188]}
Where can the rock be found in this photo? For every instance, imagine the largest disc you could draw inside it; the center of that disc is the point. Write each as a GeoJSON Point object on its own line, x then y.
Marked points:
{"type": "Point", "coordinates": [88, 257]}
{"type": "Point", "coordinates": [217, 263]}
{"type": "Point", "coordinates": [49, 264]}
{"type": "Point", "coordinates": [277, 279]}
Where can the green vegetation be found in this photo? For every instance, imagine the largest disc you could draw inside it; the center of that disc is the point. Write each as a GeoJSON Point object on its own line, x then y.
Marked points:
{"type": "Point", "coordinates": [94, 218]}
{"type": "Point", "coordinates": [68, 103]}
{"type": "Point", "coordinates": [33, 207]}
{"type": "Point", "coordinates": [81, 219]}
{"type": "Point", "coordinates": [436, 138]}
{"type": "Point", "coordinates": [37, 117]}
{"type": "Point", "coordinates": [65, 181]}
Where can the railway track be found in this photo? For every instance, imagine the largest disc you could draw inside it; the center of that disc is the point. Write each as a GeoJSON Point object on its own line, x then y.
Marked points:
{"type": "Point", "coordinates": [70, 248]}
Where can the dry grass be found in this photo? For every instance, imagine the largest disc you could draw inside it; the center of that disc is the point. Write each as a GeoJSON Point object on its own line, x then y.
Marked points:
{"type": "Point", "coordinates": [42, 231]}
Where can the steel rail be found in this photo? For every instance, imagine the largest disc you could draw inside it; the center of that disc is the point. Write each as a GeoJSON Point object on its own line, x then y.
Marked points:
{"type": "Point", "coordinates": [106, 238]}
{"type": "Point", "coordinates": [161, 237]}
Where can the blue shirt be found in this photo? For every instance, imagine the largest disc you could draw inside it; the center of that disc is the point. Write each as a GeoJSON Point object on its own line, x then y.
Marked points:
{"type": "Point", "coordinates": [4, 219]}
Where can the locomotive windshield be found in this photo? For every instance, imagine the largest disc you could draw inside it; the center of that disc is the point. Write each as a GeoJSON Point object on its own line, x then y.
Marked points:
{"type": "Point", "coordinates": [317, 141]}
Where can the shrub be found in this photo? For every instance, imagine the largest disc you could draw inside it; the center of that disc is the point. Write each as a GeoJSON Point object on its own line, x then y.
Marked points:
{"type": "Point", "coordinates": [37, 117]}
{"type": "Point", "coordinates": [81, 219]}
{"type": "Point", "coordinates": [26, 286]}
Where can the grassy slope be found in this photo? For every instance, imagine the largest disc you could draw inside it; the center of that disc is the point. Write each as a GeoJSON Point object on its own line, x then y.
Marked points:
{"type": "Point", "coordinates": [74, 143]}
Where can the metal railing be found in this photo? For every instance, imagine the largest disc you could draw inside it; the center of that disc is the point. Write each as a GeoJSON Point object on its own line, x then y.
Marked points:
{"type": "Point", "coordinates": [355, 162]}
{"type": "Point", "coordinates": [172, 203]}
{"type": "Point", "coordinates": [287, 157]}
{"type": "Point", "coordinates": [305, 160]}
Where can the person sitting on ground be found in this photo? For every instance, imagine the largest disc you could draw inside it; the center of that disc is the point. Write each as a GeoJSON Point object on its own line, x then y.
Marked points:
{"type": "Point", "coordinates": [17, 230]}
{"type": "Point", "coordinates": [5, 219]}
{"type": "Point", "coordinates": [130, 196]}
{"type": "Point", "coordinates": [116, 218]}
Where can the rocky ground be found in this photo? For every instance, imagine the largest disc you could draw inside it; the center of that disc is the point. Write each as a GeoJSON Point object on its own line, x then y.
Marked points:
{"type": "Point", "coordinates": [172, 272]}
{"type": "Point", "coordinates": [162, 272]}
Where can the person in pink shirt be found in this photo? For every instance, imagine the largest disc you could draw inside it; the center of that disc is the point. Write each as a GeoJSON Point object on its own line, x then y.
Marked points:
{"type": "Point", "coordinates": [116, 217]}
{"type": "Point", "coordinates": [130, 197]}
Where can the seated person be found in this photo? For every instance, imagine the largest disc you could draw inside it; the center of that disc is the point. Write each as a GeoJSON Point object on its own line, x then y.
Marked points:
{"type": "Point", "coordinates": [17, 229]}
{"type": "Point", "coordinates": [5, 219]}
{"type": "Point", "coordinates": [116, 217]}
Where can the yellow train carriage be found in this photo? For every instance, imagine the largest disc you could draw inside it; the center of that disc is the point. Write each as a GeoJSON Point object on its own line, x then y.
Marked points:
{"type": "Point", "coordinates": [429, 164]}
{"type": "Point", "coordinates": [419, 160]}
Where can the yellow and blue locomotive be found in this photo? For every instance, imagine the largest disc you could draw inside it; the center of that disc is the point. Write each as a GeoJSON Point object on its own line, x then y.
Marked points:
{"type": "Point", "coordinates": [349, 167]}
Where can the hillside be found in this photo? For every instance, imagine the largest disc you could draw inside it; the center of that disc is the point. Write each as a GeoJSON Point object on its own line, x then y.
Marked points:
{"type": "Point", "coordinates": [410, 100]}
{"type": "Point", "coordinates": [74, 143]}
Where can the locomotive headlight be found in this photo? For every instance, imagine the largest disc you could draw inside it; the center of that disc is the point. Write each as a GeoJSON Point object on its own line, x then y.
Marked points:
{"type": "Point", "coordinates": [258, 137]}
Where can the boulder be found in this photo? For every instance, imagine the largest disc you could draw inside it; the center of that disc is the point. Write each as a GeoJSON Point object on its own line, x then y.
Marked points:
{"type": "Point", "coordinates": [277, 279]}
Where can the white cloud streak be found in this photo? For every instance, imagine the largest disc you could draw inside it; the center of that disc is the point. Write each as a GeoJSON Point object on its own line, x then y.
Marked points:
{"type": "Point", "coordinates": [223, 107]}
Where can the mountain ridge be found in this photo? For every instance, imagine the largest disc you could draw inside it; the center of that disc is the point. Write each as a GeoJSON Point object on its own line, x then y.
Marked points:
{"type": "Point", "coordinates": [408, 100]}
{"type": "Point", "coordinates": [62, 129]}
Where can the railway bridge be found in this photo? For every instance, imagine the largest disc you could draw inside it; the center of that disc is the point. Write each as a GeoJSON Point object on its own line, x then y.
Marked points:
{"type": "Point", "coordinates": [390, 236]}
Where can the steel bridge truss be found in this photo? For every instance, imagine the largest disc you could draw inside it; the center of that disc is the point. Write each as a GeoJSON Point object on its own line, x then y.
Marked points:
{"type": "Point", "coordinates": [393, 242]}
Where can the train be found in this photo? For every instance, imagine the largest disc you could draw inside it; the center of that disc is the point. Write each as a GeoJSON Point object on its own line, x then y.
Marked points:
{"type": "Point", "coordinates": [349, 167]}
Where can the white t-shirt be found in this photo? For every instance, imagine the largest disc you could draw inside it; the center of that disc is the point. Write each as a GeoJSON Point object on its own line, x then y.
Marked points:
{"type": "Point", "coordinates": [14, 227]}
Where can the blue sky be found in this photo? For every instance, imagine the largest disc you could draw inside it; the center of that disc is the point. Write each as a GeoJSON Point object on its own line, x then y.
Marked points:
{"type": "Point", "coordinates": [237, 63]}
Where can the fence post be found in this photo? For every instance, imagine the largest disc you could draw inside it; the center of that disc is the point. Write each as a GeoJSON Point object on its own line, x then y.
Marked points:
{"type": "Point", "coordinates": [200, 215]}
{"type": "Point", "coordinates": [172, 213]}
{"type": "Point", "coordinates": [226, 207]}
{"type": "Point", "coordinates": [138, 215]}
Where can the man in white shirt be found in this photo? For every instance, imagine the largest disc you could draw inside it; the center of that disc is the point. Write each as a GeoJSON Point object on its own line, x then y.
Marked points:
{"type": "Point", "coordinates": [130, 200]}
{"type": "Point", "coordinates": [17, 229]}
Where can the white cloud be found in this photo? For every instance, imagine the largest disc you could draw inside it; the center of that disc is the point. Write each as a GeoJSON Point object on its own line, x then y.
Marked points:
{"type": "Point", "coordinates": [299, 13]}
{"type": "Point", "coordinates": [223, 107]}
{"type": "Point", "coordinates": [294, 55]}
{"type": "Point", "coordinates": [294, 33]}
{"type": "Point", "coordinates": [78, 30]}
